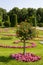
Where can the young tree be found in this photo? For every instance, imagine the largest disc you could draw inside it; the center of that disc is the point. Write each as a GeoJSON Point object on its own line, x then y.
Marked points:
{"type": "Point", "coordinates": [25, 31]}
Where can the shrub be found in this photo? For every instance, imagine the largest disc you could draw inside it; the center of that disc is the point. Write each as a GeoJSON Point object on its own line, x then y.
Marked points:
{"type": "Point", "coordinates": [0, 23]}
{"type": "Point", "coordinates": [13, 20]}
{"type": "Point", "coordinates": [40, 24]}
{"type": "Point", "coordinates": [33, 32]}
{"type": "Point", "coordinates": [7, 24]}
{"type": "Point", "coordinates": [6, 38]}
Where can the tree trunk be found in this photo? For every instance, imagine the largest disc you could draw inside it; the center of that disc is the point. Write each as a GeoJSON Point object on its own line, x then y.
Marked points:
{"type": "Point", "coordinates": [24, 47]}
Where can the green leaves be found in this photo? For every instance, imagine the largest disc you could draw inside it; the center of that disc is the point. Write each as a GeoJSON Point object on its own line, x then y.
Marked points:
{"type": "Point", "coordinates": [25, 30]}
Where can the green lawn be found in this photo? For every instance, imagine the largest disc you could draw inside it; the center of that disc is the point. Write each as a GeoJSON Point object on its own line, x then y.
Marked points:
{"type": "Point", "coordinates": [5, 52]}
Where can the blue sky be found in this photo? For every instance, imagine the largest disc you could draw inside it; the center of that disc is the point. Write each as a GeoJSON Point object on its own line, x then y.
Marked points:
{"type": "Point", "coordinates": [9, 4]}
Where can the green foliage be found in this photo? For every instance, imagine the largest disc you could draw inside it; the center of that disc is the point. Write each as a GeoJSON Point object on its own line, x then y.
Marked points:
{"type": "Point", "coordinates": [40, 24]}
{"type": "Point", "coordinates": [31, 20]}
{"type": "Point", "coordinates": [0, 23]}
{"type": "Point", "coordinates": [26, 31]}
{"type": "Point", "coordinates": [17, 15]}
{"type": "Point", "coordinates": [7, 24]}
{"type": "Point", "coordinates": [33, 33]}
{"type": "Point", "coordinates": [6, 38]}
{"type": "Point", "coordinates": [23, 14]}
{"type": "Point", "coordinates": [5, 17]}
{"type": "Point", "coordinates": [40, 16]}
{"type": "Point", "coordinates": [13, 20]}
{"type": "Point", "coordinates": [2, 11]}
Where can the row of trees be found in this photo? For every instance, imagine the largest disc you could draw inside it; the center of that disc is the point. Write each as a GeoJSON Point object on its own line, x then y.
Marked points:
{"type": "Point", "coordinates": [16, 16]}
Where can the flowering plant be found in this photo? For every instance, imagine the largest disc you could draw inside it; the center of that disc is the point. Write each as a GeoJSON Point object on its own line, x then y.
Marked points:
{"type": "Point", "coordinates": [27, 57]}
{"type": "Point", "coordinates": [32, 45]}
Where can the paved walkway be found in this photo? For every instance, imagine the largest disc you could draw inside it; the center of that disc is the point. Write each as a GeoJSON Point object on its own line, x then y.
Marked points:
{"type": "Point", "coordinates": [40, 28]}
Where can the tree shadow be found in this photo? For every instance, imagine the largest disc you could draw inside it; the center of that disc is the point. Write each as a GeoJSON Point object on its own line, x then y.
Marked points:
{"type": "Point", "coordinates": [5, 59]}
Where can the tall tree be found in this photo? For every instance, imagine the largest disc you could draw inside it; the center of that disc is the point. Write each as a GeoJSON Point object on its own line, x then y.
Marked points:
{"type": "Point", "coordinates": [2, 11]}
{"type": "Point", "coordinates": [13, 20]}
{"type": "Point", "coordinates": [40, 15]}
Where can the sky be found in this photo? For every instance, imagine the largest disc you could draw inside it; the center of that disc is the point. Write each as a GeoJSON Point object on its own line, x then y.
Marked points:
{"type": "Point", "coordinates": [9, 4]}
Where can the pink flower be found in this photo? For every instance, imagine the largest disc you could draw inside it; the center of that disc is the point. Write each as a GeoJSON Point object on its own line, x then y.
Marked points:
{"type": "Point", "coordinates": [28, 57]}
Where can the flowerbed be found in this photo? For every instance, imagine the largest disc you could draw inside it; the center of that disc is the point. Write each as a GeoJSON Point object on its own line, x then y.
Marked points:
{"type": "Point", "coordinates": [32, 45]}
{"type": "Point", "coordinates": [28, 57]}
{"type": "Point", "coordinates": [17, 41]}
{"type": "Point", "coordinates": [9, 34]}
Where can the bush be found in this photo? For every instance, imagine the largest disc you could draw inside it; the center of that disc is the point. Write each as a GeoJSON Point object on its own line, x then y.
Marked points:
{"type": "Point", "coordinates": [33, 32]}
{"type": "Point", "coordinates": [7, 24]}
{"type": "Point", "coordinates": [40, 24]}
{"type": "Point", "coordinates": [0, 23]}
{"type": "Point", "coordinates": [6, 38]}
{"type": "Point", "coordinates": [13, 20]}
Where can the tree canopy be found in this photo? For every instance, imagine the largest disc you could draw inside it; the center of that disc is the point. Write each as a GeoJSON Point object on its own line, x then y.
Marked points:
{"type": "Point", "coordinates": [28, 14]}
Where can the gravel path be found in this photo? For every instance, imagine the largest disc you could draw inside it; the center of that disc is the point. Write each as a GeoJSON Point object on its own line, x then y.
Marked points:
{"type": "Point", "coordinates": [40, 28]}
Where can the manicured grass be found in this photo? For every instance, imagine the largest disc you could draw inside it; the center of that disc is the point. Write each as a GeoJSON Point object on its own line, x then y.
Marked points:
{"type": "Point", "coordinates": [41, 32]}
{"type": "Point", "coordinates": [6, 52]}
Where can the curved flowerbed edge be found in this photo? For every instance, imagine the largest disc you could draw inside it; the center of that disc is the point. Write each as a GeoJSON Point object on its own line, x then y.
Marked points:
{"type": "Point", "coordinates": [28, 57]}
{"type": "Point", "coordinates": [32, 45]}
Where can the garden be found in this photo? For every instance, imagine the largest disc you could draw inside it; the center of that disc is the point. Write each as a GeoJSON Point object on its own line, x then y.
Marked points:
{"type": "Point", "coordinates": [13, 50]}
{"type": "Point", "coordinates": [21, 33]}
